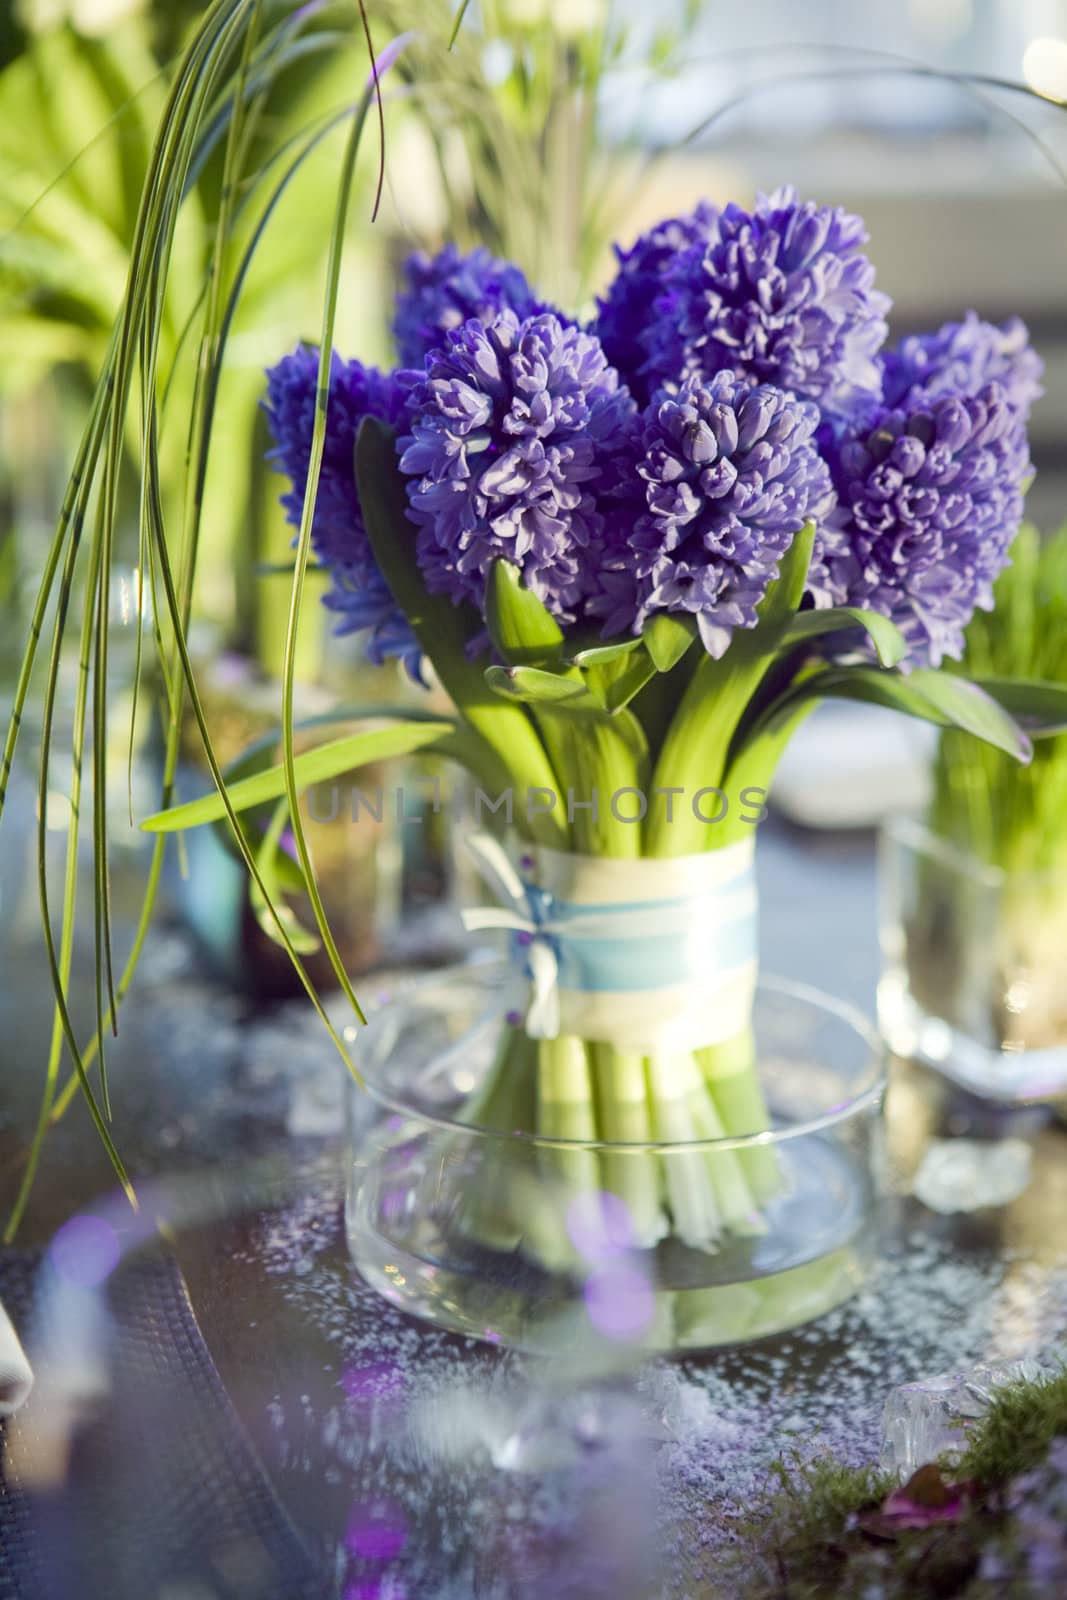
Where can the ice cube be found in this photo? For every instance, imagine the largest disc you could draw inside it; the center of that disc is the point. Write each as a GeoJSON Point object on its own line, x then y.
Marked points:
{"type": "Point", "coordinates": [928, 1421]}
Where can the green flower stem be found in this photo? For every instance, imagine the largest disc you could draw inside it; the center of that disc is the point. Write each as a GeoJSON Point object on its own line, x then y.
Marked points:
{"type": "Point", "coordinates": [697, 746]}
{"type": "Point", "coordinates": [565, 1105]}
{"type": "Point", "coordinates": [561, 746]}
{"type": "Point", "coordinates": [679, 1109]}
{"type": "Point", "coordinates": [732, 1077]}
{"type": "Point", "coordinates": [624, 1116]}
{"type": "Point", "coordinates": [565, 1110]}
{"type": "Point", "coordinates": [507, 1103]}
{"type": "Point", "coordinates": [730, 1068]}
{"type": "Point", "coordinates": [729, 1176]}
{"type": "Point", "coordinates": [514, 740]}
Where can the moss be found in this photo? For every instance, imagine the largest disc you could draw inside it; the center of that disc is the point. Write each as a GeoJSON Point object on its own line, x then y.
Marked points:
{"type": "Point", "coordinates": [806, 1541]}
{"type": "Point", "coordinates": [809, 1515]}
{"type": "Point", "coordinates": [1015, 1434]}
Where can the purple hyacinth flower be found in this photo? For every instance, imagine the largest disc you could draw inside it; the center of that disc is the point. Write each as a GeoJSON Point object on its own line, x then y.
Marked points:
{"type": "Point", "coordinates": [783, 295]}
{"type": "Point", "coordinates": [624, 312]}
{"type": "Point", "coordinates": [929, 501]}
{"type": "Point", "coordinates": [731, 475]}
{"type": "Point", "coordinates": [358, 594]}
{"type": "Point", "coordinates": [446, 290]}
{"type": "Point", "coordinates": [520, 448]}
{"type": "Point", "coordinates": [961, 358]}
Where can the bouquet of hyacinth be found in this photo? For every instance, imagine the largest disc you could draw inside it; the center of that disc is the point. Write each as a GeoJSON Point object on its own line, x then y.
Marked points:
{"type": "Point", "coordinates": [636, 549]}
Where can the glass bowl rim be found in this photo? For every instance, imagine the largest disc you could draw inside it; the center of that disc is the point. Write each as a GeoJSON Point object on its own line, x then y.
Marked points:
{"type": "Point", "coordinates": [869, 1097]}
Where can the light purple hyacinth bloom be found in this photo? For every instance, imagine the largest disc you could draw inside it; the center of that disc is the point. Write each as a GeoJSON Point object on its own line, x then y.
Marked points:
{"type": "Point", "coordinates": [624, 312]}
{"type": "Point", "coordinates": [930, 500]}
{"type": "Point", "coordinates": [781, 295]}
{"type": "Point", "coordinates": [731, 475]}
{"type": "Point", "coordinates": [961, 358]}
{"type": "Point", "coordinates": [358, 594]}
{"type": "Point", "coordinates": [446, 290]}
{"type": "Point", "coordinates": [520, 445]}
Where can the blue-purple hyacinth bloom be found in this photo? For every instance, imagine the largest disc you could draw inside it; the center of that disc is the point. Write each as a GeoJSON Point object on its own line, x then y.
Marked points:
{"type": "Point", "coordinates": [358, 592]}
{"type": "Point", "coordinates": [753, 341]}
{"type": "Point", "coordinates": [781, 295]}
{"type": "Point", "coordinates": [961, 358]}
{"type": "Point", "coordinates": [519, 446]}
{"type": "Point", "coordinates": [930, 500]}
{"type": "Point", "coordinates": [623, 313]}
{"type": "Point", "coordinates": [731, 475]}
{"type": "Point", "coordinates": [446, 290]}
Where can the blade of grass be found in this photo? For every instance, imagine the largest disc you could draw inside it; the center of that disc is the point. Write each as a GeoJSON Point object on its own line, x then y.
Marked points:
{"type": "Point", "coordinates": [303, 547]}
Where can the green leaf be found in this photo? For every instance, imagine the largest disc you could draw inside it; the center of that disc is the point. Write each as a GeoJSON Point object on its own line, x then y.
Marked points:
{"type": "Point", "coordinates": [667, 638]}
{"type": "Point", "coordinates": [886, 637]}
{"type": "Point", "coordinates": [964, 705]}
{"type": "Point", "coordinates": [533, 686]}
{"type": "Point", "coordinates": [313, 766]}
{"type": "Point", "coordinates": [622, 682]}
{"type": "Point", "coordinates": [460, 14]}
{"type": "Point", "coordinates": [939, 697]}
{"type": "Point", "coordinates": [599, 655]}
{"type": "Point", "coordinates": [1040, 708]}
{"type": "Point", "coordinates": [698, 741]}
{"type": "Point", "coordinates": [259, 757]}
{"type": "Point", "coordinates": [523, 630]}
{"type": "Point", "coordinates": [784, 595]}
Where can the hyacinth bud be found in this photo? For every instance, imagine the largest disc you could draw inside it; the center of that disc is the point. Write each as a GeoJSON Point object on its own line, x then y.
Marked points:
{"type": "Point", "coordinates": [358, 593]}
{"type": "Point", "coordinates": [782, 295]}
{"type": "Point", "coordinates": [930, 500]}
{"type": "Point", "coordinates": [518, 449]}
{"type": "Point", "coordinates": [444, 291]}
{"type": "Point", "coordinates": [961, 358]}
{"type": "Point", "coordinates": [731, 475]}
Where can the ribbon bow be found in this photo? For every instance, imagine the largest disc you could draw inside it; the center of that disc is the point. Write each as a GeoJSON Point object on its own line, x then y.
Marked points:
{"type": "Point", "coordinates": [527, 918]}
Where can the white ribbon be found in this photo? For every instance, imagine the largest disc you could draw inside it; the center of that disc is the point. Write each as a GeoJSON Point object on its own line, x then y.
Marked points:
{"type": "Point", "coordinates": [707, 894]}
{"type": "Point", "coordinates": [492, 860]}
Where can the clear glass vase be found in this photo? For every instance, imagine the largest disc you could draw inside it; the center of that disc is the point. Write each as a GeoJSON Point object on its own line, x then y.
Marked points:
{"type": "Point", "coordinates": [512, 1237]}
{"type": "Point", "coordinates": [973, 962]}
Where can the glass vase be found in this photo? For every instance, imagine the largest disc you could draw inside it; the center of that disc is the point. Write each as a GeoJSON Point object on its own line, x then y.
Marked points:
{"type": "Point", "coordinates": [973, 961]}
{"type": "Point", "coordinates": [480, 1223]}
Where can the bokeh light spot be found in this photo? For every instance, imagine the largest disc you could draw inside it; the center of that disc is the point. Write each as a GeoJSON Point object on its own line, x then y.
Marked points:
{"type": "Point", "coordinates": [599, 1225]}
{"type": "Point", "coordinates": [620, 1302]}
{"type": "Point", "coordinates": [1045, 67]}
{"type": "Point", "coordinates": [85, 1251]}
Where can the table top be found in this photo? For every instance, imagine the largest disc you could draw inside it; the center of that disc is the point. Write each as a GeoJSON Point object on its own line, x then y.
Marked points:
{"type": "Point", "coordinates": [385, 1458]}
